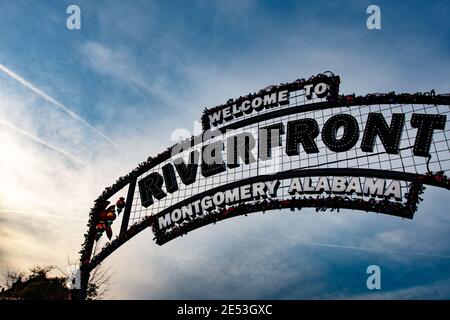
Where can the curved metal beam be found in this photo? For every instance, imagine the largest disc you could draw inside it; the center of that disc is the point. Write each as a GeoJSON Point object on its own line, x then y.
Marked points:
{"type": "Point", "coordinates": [370, 173]}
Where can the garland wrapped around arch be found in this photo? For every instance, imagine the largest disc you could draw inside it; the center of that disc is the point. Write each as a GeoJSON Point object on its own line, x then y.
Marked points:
{"type": "Point", "coordinates": [102, 202]}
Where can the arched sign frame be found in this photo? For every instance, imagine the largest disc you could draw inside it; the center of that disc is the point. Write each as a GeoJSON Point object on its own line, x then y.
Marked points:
{"type": "Point", "coordinates": [332, 100]}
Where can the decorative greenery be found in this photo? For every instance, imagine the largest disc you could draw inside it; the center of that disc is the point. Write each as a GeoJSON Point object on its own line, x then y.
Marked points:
{"type": "Point", "coordinates": [393, 98]}
{"type": "Point", "coordinates": [438, 179]}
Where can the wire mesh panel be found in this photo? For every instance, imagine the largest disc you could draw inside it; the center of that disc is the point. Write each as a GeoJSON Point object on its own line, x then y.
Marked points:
{"type": "Point", "coordinates": [404, 161]}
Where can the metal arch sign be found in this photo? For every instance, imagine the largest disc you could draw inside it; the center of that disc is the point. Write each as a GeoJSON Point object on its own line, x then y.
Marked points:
{"type": "Point", "coordinates": [293, 145]}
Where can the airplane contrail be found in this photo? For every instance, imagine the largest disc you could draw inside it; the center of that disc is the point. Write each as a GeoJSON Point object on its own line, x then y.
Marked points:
{"type": "Point", "coordinates": [329, 245]}
{"type": "Point", "coordinates": [40, 141]}
{"type": "Point", "coordinates": [53, 101]}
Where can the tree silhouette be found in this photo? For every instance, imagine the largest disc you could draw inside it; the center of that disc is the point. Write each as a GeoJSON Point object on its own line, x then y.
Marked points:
{"type": "Point", "coordinates": [40, 285]}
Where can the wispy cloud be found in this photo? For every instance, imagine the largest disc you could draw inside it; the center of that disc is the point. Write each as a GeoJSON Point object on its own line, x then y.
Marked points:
{"type": "Point", "coordinates": [39, 214]}
{"type": "Point", "coordinates": [385, 251]}
{"type": "Point", "coordinates": [124, 66]}
{"type": "Point", "coordinates": [434, 290]}
{"type": "Point", "coordinates": [53, 101]}
{"type": "Point", "coordinates": [40, 141]}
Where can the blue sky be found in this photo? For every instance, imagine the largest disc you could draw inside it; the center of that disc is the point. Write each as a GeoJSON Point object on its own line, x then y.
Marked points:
{"type": "Point", "coordinates": [137, 70]}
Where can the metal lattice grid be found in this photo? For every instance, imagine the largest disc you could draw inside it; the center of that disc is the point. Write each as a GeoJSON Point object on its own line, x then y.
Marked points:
{"type": "Point", "coordinates": [325, 158]}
